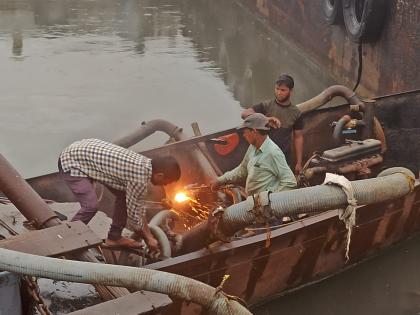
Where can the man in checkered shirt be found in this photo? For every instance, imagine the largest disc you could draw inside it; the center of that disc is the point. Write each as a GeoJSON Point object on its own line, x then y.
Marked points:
{"type": "Point", "coordinates": [126, 174]}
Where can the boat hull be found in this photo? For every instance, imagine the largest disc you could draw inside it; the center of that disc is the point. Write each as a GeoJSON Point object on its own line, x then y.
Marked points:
{"type": "Point", "coordinates": [299, 254]}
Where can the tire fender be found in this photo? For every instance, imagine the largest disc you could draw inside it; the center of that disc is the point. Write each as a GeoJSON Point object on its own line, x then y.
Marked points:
{"type": "Point", "coordinates": [364, 19]}
{"type": "Point", "coordinates": [332, 11]}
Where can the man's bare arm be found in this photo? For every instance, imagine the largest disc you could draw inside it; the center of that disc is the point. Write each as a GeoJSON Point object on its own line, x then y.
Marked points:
{"type": "Point", "coordinates": [298, 144]}
{"type": "Point", "coordinates": [247, 112]}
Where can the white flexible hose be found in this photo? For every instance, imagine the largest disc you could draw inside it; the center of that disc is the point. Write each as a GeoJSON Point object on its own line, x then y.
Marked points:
{"type": "Point", "coordinates": [122, 276]}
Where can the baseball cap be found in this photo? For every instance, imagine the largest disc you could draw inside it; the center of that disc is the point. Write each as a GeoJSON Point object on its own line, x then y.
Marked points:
{"type": "Point", "coordinates": [255, 121]}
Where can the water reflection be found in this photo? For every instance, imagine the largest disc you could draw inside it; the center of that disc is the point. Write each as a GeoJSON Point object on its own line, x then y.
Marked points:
{"type": "Point", "coordinates": [83, 64]}
{"type": "Point", "coordinates": [17, 43]}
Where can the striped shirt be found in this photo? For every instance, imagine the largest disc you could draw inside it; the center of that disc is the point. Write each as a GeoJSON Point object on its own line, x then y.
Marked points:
{"type": "Point", "coordinates": [113, 166]}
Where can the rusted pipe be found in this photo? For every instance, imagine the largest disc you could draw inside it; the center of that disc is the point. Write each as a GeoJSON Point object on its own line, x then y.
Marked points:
{"type": "Point", "coordinates": [379, 134]}
{"type": "Point", "coordinates": [202, 147]}
{"type": "Point", "coordinates": [312, 171]}
{"type": "Point", "coordinates": [352, 167]}
{"type": "Point", "coordinates": [26, 200]}
{"type": "Point", "coordinates": [359, 165]}
{"type": "Point", "coordinates": [327, 95]}
{"type": "Point", "coordinates": [34, 209]}
{"type": "Point", "coordinates": [175, 132]}
{"type": "Point", "coordinates": [338, 128]}
{"type": "Point", "coordinates": [148, 128]}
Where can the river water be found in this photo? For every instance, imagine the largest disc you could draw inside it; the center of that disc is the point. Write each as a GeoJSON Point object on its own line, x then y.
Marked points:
{"type": "Point", "coordinates": [98, 68]}
{"type": "Point", "coordinates": [77, 69]}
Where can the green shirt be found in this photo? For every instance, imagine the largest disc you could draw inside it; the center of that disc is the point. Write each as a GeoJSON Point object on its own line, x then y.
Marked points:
{"type": "Point", "coordinates": [264, 169]}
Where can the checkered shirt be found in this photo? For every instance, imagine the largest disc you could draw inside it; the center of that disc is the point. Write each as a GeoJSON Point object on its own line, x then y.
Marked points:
{"type": "Point", "coordinates": [113, 166]}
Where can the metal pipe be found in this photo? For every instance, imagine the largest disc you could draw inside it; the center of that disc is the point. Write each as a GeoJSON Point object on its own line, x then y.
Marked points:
{"type": "Point", "coordinates": [164, 244]}
{"type": "Point", "coordinates": [338, 128]}
{"type": "Point", "coordinates": [357, 166]}
{"type": "Point", "coordinates": [379, 134]}
{"type": "Point", "coordinates": [148, 128]}
{"type": "Point", "coordinates": [33, 208]}
{"type": "Point", "coordinates": [175, 132]}
{"type": "Point", "coordinates": [394, 183]}
{"type": "Point", "coordinates": [178, 286]}
{"type": "Point", "coordinates": [327, 95]}
{"type": "Point", "coordinates": [26, 200]}
{"type": "Point", "coordinates": [202, 147]}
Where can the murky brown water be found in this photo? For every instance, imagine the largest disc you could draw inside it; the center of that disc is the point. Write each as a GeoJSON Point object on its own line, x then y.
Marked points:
{"type": "Point", "coordinates": [388, 284]}
{"type": "Point", "coordinates": [97, 68]}
{"type": "Point", "coordinates": [76, 69]}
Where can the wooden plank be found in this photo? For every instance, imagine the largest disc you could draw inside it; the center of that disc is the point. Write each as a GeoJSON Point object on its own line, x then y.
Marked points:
{"type": "Point", "coordinates": [141, 302]}
{"type": "Point", "coordinates": [54, 241]}
{"type": "Point", "coordinates": [13, 218]}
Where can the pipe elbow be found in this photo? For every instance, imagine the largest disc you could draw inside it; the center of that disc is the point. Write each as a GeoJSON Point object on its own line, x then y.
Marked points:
{"type": "Point", "coordinates": [338, 128]}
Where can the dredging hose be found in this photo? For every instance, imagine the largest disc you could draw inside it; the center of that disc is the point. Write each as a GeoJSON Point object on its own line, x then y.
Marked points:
{"type": "Point", "coordinates": [390, 184]}
{"type": "Point", "coordinates": [212, 299]}
{"type": "Point", "coordinates": [327, 95]}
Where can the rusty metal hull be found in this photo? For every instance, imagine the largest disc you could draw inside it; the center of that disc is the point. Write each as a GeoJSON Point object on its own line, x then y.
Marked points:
{"type": "Point", "coordinates": [300, 253]}
{"type": "Point", "coordinates": [304, 251]}
{"type": "Point", "coordinates": [390, 64]}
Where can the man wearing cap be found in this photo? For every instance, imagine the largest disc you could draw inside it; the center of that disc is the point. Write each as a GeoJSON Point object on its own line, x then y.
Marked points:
{"type": "Point", "coordinates": [264, 166]}
{"type": "Point", "coordinates": [286, 117]}
{"type": "Point", "coordinates": [126, 174]}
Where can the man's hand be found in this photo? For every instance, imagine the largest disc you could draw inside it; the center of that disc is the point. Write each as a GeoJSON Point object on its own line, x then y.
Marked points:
{"type": "Point", "coordinates": [274, 122]}
{"type": "Point", "coordinates": [298, 168]}
{"type": "Point", "coordinates": [215, 185]}
{"type": "Point", "coordinates": [153, 244]}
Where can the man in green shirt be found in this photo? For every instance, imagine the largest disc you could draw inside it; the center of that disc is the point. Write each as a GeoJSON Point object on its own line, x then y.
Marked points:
{"type": "Point", "coordinates": [264, 166]}
{"type": "Point", "coordinates": [287, 118]}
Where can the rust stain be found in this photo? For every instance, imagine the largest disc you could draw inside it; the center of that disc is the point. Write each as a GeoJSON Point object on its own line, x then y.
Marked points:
{"type": "Point", "coordinates": [258, 267]}
{"type": "Point", "coordinates": [381, 231]}
{"type": "Point", "coordinates": [301, 5]}
{"type": "Point", "coordinates": [262, 7]}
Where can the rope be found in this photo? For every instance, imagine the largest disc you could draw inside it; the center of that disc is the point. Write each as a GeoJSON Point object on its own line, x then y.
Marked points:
{"type": "Point", "coordinates": [222, 298]}
{"type": "Point", "coordinates": [410, 179]}
{"type": "Point", "coordinates": [348, 215]}
{"type": "Point", "coordinates": [263, 212]}
{"type": "Point", "coordinates": [261, 209]}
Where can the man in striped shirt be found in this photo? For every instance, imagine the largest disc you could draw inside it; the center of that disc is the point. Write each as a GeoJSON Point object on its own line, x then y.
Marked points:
{"type": "Point", "coordinates": [126, 174]}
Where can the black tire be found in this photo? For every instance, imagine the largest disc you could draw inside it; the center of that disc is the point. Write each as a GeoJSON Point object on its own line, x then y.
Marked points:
{"type": "Point", "coordinates": [364, 19]}
{"type": "Point", "coordinates": [332, 10]}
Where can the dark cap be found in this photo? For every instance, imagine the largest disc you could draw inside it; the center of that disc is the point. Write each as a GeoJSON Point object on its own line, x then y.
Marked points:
{"type": "Point", "coordinates": [255, 121]}
{"type": "Point", "coordinates": [285, 79]}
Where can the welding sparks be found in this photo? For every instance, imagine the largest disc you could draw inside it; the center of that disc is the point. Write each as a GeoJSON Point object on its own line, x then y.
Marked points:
{"type": "Point", "coordinates": [181, 197]}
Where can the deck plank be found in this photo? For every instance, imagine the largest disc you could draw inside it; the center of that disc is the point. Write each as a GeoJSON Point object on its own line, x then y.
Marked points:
{"type": "Point", "coordinates": [141, 302]}
{"type": "Point", "coordinates": [54, 241]}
